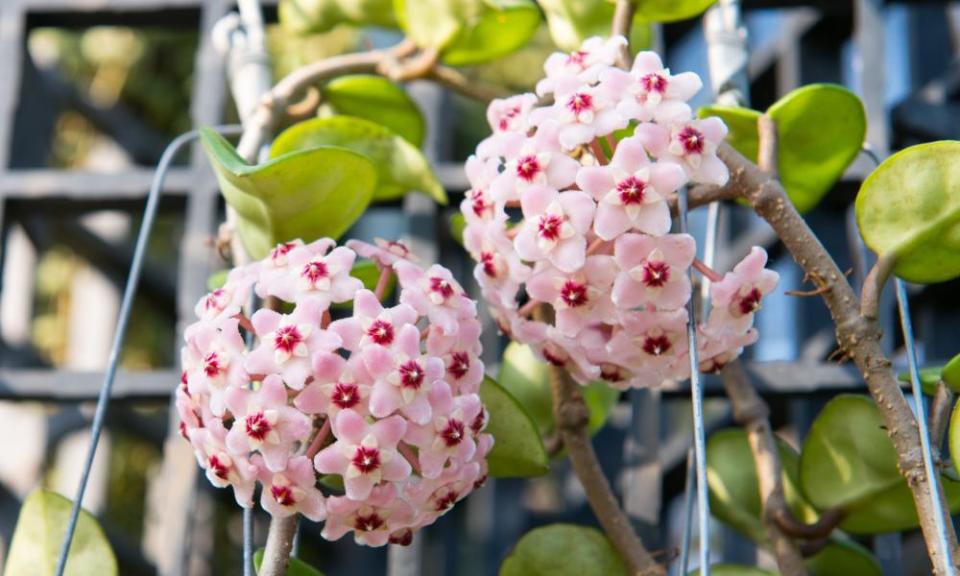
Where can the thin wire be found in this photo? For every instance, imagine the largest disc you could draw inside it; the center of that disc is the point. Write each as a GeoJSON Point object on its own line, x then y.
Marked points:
{"type": "Point", "coordinates": [248, 568]}
{"type": "Point", "coordinates": [126, 306]}
{"type": "Point", "coordinates": [696, 396]}
{"type": "Point", "coordinates": [906, 326]}
{"type": "Point", "coordinates": [688, 487]}
{"type": "Point", "coordinates": [709, 252]}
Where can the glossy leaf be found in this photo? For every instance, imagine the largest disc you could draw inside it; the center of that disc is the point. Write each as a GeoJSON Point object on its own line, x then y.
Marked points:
{"type": "Point", "coordinates": [820, 128]}
{"type": "Point", "coordinates": [314, 16]}
{"type": "Point", "coordinates": [563, 550]}
{"type": "Point", "coordinates": [953, 436]}
{"type": "Point", "coordinates": [518, 449]}
{"type": "Point", "coordinates": [573, 21]}
{"type": "Point", "coordinates": [736, 570]}
{"type": "Point", "coordinates": [435, 23]}
{"type": "Point", "coordinates": [306, 194]}
{"type": "Point", "coordinates": [457, 225]}
{"type": "Point", "coordinates": [217, 280]}
{"type": "Point", "coordinates": [848, 462]}
{"type": "Point", "coordinates": [951, 373]}
{"type": "Point", "coordinates": [400, 166]}
{"type": "Point", "coordinates": [296, 567]}
{"type": "Point", "coordinates": [929, 377]}
{"type": "Point", "coordinates": [502, 27]}
{"type": "Point", "coordinates": [527, 379]}
{"type": "Point", "coordinates": [41, 526]}
{"type": "Point", "coordinates": [671, 10]}
{"type": "Point", "coordinates": [734, 489]}
{"type": "Point", "coordinates": [379, 100]}
{"type": "Point", "coordinates": [909, 209]}
{"type": "Point", "coordinates": [843, 557]}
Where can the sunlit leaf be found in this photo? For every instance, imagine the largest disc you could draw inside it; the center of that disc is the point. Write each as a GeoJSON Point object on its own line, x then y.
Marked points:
{"type": "Point", "coordinates": [312, 16]}
{"type": "Point", "coordinates": [909, 209]}
{"type": "Point", "coordinates": [563, 550]}
{"type": "Point", "coordinates": [929, 377]}
{"type": "Point", "coordinates": [503, 26]}
{"type": "Point", "coordinates": [379, 100]}
{"type": "Point", "coordinates": [458, 224]}
{"type": "Point", "coordinates": [736, 570]}
{"type": "Point", "coordinates": [217, 280]}
{"type": "Point", "coordinates": [518, 449]}
{"type": "Point", "coordinates": [842, 557]}
{"type": "Point", "coordinates": [401, 167]}
{"type": "Point", "coordinates": [40, 530]}
{"type": "Point", "coordinates": [296, 567]}
{"type": "Point", "coordinates": [671, 10]}
{"type": "Point", "coordinates": [573, 21]}
{"type": "Point", "coordinates": [951, 373]}
{"type": "Point", "coordinates": [435, 23]}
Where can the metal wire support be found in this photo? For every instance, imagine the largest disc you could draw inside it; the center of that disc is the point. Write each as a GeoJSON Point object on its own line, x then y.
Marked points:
{"type": "Point", "coordinates": [945, 557]}
{"type": "Point", "coordinates": [688, 486]}
{"type": "Point", "coordinates": [126, 307]}
{"type": "Point", "coordinates": [710, 238]}
{"type": "Point", "coordinates": [696, 396]}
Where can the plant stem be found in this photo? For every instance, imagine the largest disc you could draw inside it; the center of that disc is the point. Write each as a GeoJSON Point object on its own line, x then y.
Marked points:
{"type": "Point", "coordinates": [859, 337]}
{"type": "Point", "coordinates": [751, 412]}
{"type": "Point", "coordinates": [276, 554]}
{"type": "Point", "coordinates": [572, 416]}
{"type": "Point", "coordinates": [622, 23]}
{"type": "Point", "coordinates": [940, 409]}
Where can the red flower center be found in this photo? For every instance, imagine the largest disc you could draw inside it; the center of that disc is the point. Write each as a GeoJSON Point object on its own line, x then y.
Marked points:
{"type": "Point", "coordinates": [287, 338]}
{"type": "Point", "coordinates": [219, 467]}
{"type": "Point", "coordinates": [212, 365]}
{"type": "Point", "coordinates": [549, 226]}
{"type": "Point", "coordinates": [281, 250]}
{"type": "Point", "coordinates": [553, 358]}
{"type": "Point", "coordinates": [631, 190]}
{"type": "Point", "coordinates": [314, 271]}
{"type": "Point", "coordinates": [656, 345]}
{"type": "Point", "coordinates": [580, 102]}
{"type": "Point", "coordinates": [283, 495]}
{"type": "Point", "coordinates": [577, 58]}
{"type": "Point", "coordinates": [459, 365]}
{"type": "Point", "coordinates": [655, 274]}
{"type": "Point", "coordinates": [611, 373]}
{"type": "Point", "coordinates": [692, 140]}
{"type": "Point", "coordinates": [411, 374]}
{"type": "Point", "coordinates": [573, 294]}
{"type": "Point", "coordinates": [508, 115]}
{"type": "Point", "coordinates": [213, 301]}
{"type": "Point", "coordinates": [478, 202]}
{"type": "Point", "coordinates": [479, 422]}
{"type": "Point", "coordinates": [528, 167]}
{"type": "Point", "coordinates": [368, 522]}
{"type": "Point", "coordinates": [381, 332]}
{"type": "Point", "coordinates": [452, 434]}
{"type": "Point", "coordinates": [750, 303]}
{"type": "Point", "coordinates": [654, 83]}
{"type": "Point", "coordinates": [446, 500]}
{"type": "Point", "coordinates": [441, 286]}
{"type": "Point", "coordinates": [345, 395]}
{"type": "Point", "coordinates": [366, 459]}
{"type": "Point", "coordinates": [257, 426]}
{"type": "Point", "coordinates": [489, 263]}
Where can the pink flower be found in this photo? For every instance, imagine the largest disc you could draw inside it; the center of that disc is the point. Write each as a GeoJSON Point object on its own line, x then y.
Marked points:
{"type": "Point", "coordinates": [448, 437]}
{"type": "Point", "coordinates": [385, 253]}
{"type": "Point", "coordinates": [213, 360]}
{"type": "Point", "coordinates": [374, 521]}
{"type": "Point", "coordinates": [460, 354]}
{"type": "Point", "coordinates": [403, 376]}
{"type": "Point", "coordinates": [581, 112]}
{"type": "Point", "coordinates": [222, 468]}
{"type": "Point", "coordinates": [631, 191]}
{"type": "Point", "coordinates": [434, 497]}
{"type": "Point", "coordinates": [692, 145]}
{"type": "Point", "coordinates": [228, 300]}
{"type": "Point", "coordinates": [584, 65]}
{"type": "Point", "coordinates": [650, 92]}
{"type": "Point", "coordinates": [286, 342]}
{"type": "Point", "coordinates": [738, 295]}
{"type": "Point", "coordinates": [478, 205]}
{"type": "Point", "coordinates": [364, 454]}
{"type": "Point", "coordinates": [292, 490]}
{"type": "Point", "coordinates": [510, 114]}
{"type": "Point", "coordinates": [654, 339]}
{"type": "Point", "coordinates": [338, 384]}
{"type": "Point", "coordinates": [264, 422]}
{"type": "Point", "coordinates": [371, 322]}
{"type": "Point", "coordinates": [499, 270]}
{"type": "Point", "coordinates": [653, 270]}
{"type": "Point", "coordinates": [533, 162]}
{"type": "Point", "coordinates": [555, 227]}
{"type": "Point", "coordinates": [580, 298]}
{"type": "Point", "coordinates": [434, 294]}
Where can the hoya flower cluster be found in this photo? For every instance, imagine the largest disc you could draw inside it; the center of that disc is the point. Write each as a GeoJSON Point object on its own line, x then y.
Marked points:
{"type": "Point", "coordinates": [569, 205]}
{"type": "Point", "coordinates": [385, 399]}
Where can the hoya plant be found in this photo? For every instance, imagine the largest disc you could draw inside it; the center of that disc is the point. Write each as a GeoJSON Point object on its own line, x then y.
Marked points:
{"type": "Point", "coordinates": [342, 381]}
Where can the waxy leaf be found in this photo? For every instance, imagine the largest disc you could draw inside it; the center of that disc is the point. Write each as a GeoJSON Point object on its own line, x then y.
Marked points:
{"type": "Point", "coordinates": [217, 280]}
{"type": "Point", "coordinates": [435, 23]}
{"type": "Point", "coordinates": [951, 373]}
{"type": "Point", "coordinates": [306, 194]}
{"type": "Point", "coordinates": [457, 225]}
{"type": "Point", "coordinates": [843, 556]}
{"type": "Point", "coordinates": [527, 378]}
{"type": "Point", "coordinates": [502, 27]}
{"type": "Point", "coordinates": [848, 462]}
{"type": "Point", "coordinates": [296, 567]}
{"type": "Point", "coordinates": [41, 526]}
{"type": "Point", "coordinates": [820, 128]}
{"type": "Point", "coordinates": [909, 209]}
{"type": "Point", "coordinates": [400, 166]}
{"type": "Point", "coordinates": [563, 550]}
{"type": "Point", "coordinates": [671, 10]}
{"type": "Point", "coordinates": [735, 490]}
{"type": "Point", "coordinates": [379, 100]}
{"type": "Point", "coordinates": [573, 21]}
{"type": "Point", "coordinates": [518, 449]}
{"type": "Point", "coordinates": [929, 377]}
{"type": "Point", "coordinates": [736, 570]}
{"type": "Point", "coordinates": [313, 16]}
{"type": "Point", "coordinates": [953, 435]}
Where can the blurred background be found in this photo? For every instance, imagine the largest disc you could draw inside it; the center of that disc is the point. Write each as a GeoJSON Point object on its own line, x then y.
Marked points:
{"type": "Point", "coordinates": [91, 91]}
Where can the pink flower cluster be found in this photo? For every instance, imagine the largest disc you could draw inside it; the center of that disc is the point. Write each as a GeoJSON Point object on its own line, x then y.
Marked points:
{"type": "Point", "coordinates": [569, 205]}
{"type": "Point", "coordinates": [385, 399]}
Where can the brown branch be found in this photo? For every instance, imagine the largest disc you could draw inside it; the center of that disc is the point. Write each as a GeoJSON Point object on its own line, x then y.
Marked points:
{"type": "Point", "coordinates": [456, 81]}
{"type": "Point", "coordinates": [873, 286]}
{"type": "Point", "coordinates": [751, 412]}
{"type": "Point", "coordinates": [858, 336]}
{"type": "Point", "coordinates": [572, 416]}
{"type": "Point", "coordinates": [940, 409]}
{"type": "Point", "coordinates": [622, 24]}
{"type": "Point", "coordinates": [276, 554]}
{"type": "Point", "coordinates": [704, 194]}
{"type": "Point", "coordinates": [822, 528]}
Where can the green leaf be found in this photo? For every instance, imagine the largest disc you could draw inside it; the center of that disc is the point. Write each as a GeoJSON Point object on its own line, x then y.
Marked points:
{"type": "Point", "coordinates": [909, 209]}
{"type": "Point", "coordinates": [563, 550]}
{"type": "Point", "coordinates": [458, 223]}
{"type": "Point", "coordinates": [843, 556]}
{"type": "Point", "coordinates": [848, 462]}
{"type": "Point", "coordinates": [929, 377]}
{"type": "Point", "coordinates": [951, 373]}
{"type": "Point", "coordinates": [306, 194]}
{"type": "Point", "coordinates": [217, 280]}
{"type": "Point", "coordinates": [400, 166]}
{"type": "Point", "coordinates": [527, 379]}
{"type": "Point", "coordinates": [573, 21]}
{"type": "Point", "coordinates": [314, 16]}
{"type": "Point", "coordinates": [296, 567]}
{"type": "Point", "coordinates": [820, 128]}
{"type": "Point", "coordinates": [379, 100]}
{"type": "Point", "coordinates": [734, 489]}
{"type": "Point", "coordinates": [503, 26]}
{"type": "Point", "coordinates": [671, 10]}
{"type": "Point", "coordinates": [953, 436]}
{"type": "Point", "coordinates": [435, 23]}
{"type": "Point", "coordinates": [39, 534]}
{"type": "Point", "coordinates": [736, 570]}
{"type": "Point", "coordinates": [518, 449]}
